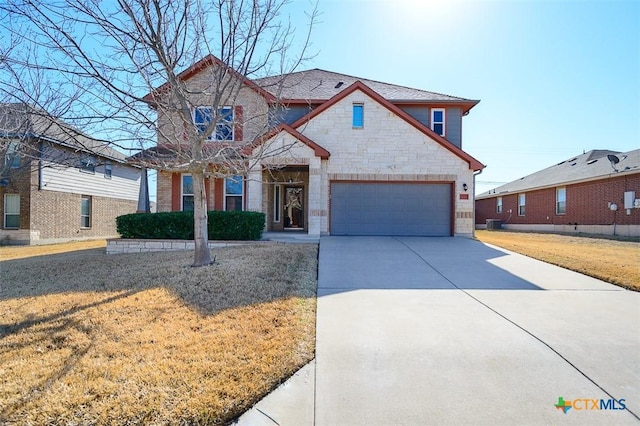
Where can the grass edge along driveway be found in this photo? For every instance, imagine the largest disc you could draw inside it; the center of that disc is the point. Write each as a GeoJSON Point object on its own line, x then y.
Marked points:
{"type": "Point", "coordinates": [614, 261]}
{"type": "Point", "coordinates": [87, 338]}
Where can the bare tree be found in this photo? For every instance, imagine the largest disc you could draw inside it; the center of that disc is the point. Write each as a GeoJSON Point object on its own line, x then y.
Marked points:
{"type": "Point", "coordinates": [119, 71]}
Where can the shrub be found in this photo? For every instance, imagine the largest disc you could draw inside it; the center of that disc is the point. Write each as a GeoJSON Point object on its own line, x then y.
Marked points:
{"type": "Point", "coordinates": [179, 225]}
{"type": "Point", "coordinates": [235, 225]}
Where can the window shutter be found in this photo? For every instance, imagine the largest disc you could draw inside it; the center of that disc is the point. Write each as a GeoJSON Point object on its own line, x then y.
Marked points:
{"type": "Point", "coordinates": [238, 118]}
{"type": "Point", "coordinates": [175, 192]}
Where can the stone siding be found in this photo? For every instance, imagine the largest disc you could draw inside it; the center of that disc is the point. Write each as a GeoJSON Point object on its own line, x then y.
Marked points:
{"type": "Point", "coordinates": [120, 246]}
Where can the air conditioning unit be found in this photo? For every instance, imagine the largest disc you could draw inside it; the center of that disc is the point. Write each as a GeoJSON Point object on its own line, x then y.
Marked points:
{"type": "Point", "coordinates": [494, 224]}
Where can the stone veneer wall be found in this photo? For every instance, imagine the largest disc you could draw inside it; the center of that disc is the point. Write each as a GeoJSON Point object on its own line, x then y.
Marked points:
{"type": "Point", "coordinates": [118, 246]}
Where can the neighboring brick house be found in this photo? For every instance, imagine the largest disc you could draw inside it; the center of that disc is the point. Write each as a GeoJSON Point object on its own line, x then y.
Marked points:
{"type": "Point", "coordinates": [58, 184]}
{"type": "Point", "coordinates": [358, 157]}
{"type": "Point", "coordinates": [591, 193]}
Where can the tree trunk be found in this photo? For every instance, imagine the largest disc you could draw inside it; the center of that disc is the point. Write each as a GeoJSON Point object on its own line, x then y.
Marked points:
{"type": "Point", "coordinates": [202, 256]}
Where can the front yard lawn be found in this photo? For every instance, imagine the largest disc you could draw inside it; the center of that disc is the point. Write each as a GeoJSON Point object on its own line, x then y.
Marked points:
{"type": "Point", "coordinates": [617, 262]}
{"type": "Point", "coordinates": [87, 338]}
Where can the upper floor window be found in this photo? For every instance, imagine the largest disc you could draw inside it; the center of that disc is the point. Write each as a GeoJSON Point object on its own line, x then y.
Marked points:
{"type": "Point", "coordinates": [561, 200]}
{"type": "Point", "coordinates": [12, 155]}
{"type": "Point", "coordinates": [521, 204]}
{"type": "Point", "coordinates": [233, 193]}
{"type": "Point", "coordinates": [203, 115]}
{"type": "Point", "coordinates": [107, 169]}
{"type": "Point", "coordinates": [499, 205]}
{"type": "Point", "coordinates": [187, 193]}
{"type": "Point", "coordinates": [438, 120]}
{"type": "Point", "coordinates": [88, 164]}
{"type": "Point", "coordinates": [12, 211]}
{"type": "Point", "coordinates": [358, 116]}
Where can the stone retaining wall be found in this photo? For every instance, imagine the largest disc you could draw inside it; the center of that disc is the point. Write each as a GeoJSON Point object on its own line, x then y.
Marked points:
{"type": "Point", "coordinates": [121, 245]}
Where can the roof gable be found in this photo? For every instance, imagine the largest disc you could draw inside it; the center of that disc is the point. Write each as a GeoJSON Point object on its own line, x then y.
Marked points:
{"type": "Point", "coordinates": [201, 66]}
{"type": "Point", "coordinates": [358, 85]}
{"type": "Point", "coordinates": [318, 150]}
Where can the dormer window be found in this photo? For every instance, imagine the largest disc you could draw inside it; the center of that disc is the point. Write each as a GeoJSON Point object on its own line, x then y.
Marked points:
{"type": "Point", "coordinates": [202, 117]}
{"type": "Point", "coordinates": [438, 120]}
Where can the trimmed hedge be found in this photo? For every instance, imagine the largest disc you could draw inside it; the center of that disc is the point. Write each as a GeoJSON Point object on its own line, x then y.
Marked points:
{"type": "Point", "coordinates": [222, 225]}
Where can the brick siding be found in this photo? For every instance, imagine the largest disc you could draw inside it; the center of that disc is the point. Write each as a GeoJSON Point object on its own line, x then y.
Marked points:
{"type": "Point", "coordinates": [587, 204]}
{"type": "Point", "coordinates": [56, 215]}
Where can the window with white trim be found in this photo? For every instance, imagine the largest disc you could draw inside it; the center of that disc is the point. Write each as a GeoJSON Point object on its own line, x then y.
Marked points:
{"type": "Point", "coordinates": [276, 203]}
{"type": "Point", "coordinates": [499, 205]}
{"type": "Point", "coordinates": [186, 193]}
{"type": "Point", "coordinates": [561, 200]}
{"type": "Point", "coordinates": [12, 211]}
{"type": "Point", "coordinates": [108, 170]}
{"type": "Point", "coordinates": [438, 120]}
{"type": "Point", "coordinates": [85, 212]}
{"type": "Point", "coordinates": [233, 193]}
{"type": "Point", "coordinates": [522, 201]}
{"type": "Point", "coordinates": [203, 115]}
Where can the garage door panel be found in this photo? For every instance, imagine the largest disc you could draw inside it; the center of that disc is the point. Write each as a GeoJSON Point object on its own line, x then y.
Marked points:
{"type": "Point", "coordinates": [390, 209]}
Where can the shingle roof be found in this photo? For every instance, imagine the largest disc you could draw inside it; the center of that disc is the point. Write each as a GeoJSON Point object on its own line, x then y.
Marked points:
{"type": "Point", "coordinates": [19, 119]}
{"type": "Point", "coordinates": [317, 84]}
{"type": "Point", "coordinates": [588, 166]}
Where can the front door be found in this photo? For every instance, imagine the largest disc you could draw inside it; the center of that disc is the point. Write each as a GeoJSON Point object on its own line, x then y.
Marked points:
{"type": "Point", "coordinates": [294, 208]}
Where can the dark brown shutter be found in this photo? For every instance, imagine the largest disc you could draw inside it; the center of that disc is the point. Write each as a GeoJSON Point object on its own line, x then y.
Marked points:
{"type": "Point", "coordinates": [238, 118]}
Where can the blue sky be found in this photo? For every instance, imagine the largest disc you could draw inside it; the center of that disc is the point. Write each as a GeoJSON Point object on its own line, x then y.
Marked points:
{"type": "Point", "coordinates": [555, 78]}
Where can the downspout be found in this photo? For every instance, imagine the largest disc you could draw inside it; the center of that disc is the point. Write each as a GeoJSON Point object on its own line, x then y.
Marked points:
{"type": "Point", "coordinates": [473, 204]}
{"type": "Point", "coordinates": [40, 154]}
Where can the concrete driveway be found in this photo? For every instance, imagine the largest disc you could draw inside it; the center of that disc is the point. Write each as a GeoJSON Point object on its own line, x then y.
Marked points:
{"type": "Point", "coordinates": [451, 331]}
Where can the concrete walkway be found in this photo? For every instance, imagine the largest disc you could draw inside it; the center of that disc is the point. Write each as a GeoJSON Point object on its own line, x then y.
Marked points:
{"type": "Point", "coordinates": [452, 331]}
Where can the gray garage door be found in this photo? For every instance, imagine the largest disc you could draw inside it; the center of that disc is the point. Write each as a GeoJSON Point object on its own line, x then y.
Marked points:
{"type": "Point", "coordinates": [390, 209]}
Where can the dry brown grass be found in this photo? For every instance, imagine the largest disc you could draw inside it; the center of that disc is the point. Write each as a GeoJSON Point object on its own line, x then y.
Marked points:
{"type": "Point", "coordinates": [617, 262]}
{"type": "Point", "coordinates": [87, 338]}
{"type": "Point", "coordinates": [20, 252]}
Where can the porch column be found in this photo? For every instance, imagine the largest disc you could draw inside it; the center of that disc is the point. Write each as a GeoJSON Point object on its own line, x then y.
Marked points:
{"type": "Point", "coordinates": [315, 196]}
{"type": "Point", "coordinates": [254, 190]}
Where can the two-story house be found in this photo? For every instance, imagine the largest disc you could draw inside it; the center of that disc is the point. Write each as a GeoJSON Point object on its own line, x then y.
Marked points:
{"type": "Point", "coordinates": [353, 156]}
{"type": "Point", "coordinates": [58, 184]}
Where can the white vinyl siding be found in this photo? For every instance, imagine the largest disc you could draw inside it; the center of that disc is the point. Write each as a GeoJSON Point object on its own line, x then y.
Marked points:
{"type": "Point", "coordinates": [12, 211]}
{"type": "Point", "coordinates": [124, 183]}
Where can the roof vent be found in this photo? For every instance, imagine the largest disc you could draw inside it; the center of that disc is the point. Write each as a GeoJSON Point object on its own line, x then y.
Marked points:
{"type": "Point", "coordinates": [339, 85]}
{"type": "Point", "coordinates": [592, 161]}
